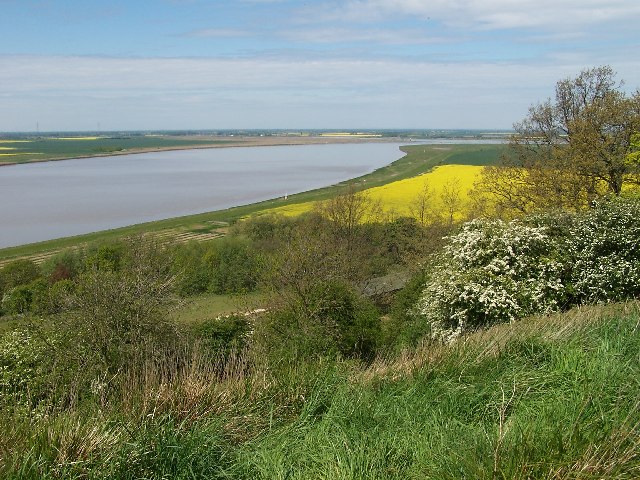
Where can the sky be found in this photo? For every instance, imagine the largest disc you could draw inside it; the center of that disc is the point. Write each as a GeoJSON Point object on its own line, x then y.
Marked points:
{"type": "Point", "coordinates": [86, 65]}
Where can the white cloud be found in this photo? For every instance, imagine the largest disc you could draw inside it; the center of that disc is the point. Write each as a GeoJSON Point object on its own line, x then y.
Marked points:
{"type": "Point", "coordinates": [149, 93]}
{"type": "Point", "coordinates": [492, 14]}
{"type": "Point", "coordinates": [335, 35]}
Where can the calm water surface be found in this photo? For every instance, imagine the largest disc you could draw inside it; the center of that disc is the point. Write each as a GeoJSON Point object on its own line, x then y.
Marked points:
{"type": "Point", "coordinates": [42, 201]}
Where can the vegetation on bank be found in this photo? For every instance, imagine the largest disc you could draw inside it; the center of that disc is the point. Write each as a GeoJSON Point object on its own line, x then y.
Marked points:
{"type": "Point", "coordinates": [96, 379]}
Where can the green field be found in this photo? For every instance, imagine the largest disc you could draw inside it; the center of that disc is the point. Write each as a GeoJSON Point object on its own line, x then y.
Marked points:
{"type": "Point", "coordinates": [418, 159]}
{"type": "Point", "coordinates": [57, 148]}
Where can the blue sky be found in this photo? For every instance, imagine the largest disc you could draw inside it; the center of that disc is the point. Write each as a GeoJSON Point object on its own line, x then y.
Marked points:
{"type": "Point", "coordinates": [196, 64]}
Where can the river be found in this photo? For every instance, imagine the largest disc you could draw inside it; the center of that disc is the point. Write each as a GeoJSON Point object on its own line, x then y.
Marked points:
{"type": "Point", "coordinates": [43, 201]}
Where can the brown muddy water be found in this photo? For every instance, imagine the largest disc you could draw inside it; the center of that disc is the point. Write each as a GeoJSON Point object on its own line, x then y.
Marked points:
{"type": "Point", "coordinates": [43, 201]}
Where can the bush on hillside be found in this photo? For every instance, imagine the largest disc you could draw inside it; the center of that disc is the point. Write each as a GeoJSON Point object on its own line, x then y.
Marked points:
{"type": "Point", "coordinates": [193, 275]}
{"type": "Point", "coordinates": [234, 267]}
{"type": "Point", "coordinates": [330, 319]}
{"type": "Point", "coordinates": [223, 338]}
{"type": "Point", "coordinates": [106, 257]}
{"type": "Point", "coordinates": [498, 272]}
{"type": "Point", "coordinates": [22, 356]}
{"type": "Point", "coordinates": [17, 301]}
{"type": "Point", "coordinates": [18, 272]}
{"type": "Point", "coordinates": [402, 329]}
{"type": "Point", "coordinates": [491, 272]}
{"type": "Point", "coordinates": [604, 249]}
{"type": "Point", "coordinates": [63, 266]}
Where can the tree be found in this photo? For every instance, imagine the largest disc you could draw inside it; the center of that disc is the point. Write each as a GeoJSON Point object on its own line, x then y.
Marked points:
{"type": "Point", "coordinates": [422, 208]}
{"type": "Point", "coordinates": [450, 197]}
{"type": "Point", "coordinates": [570, 151]}
{"type": "Point", "coordinates": [115, 314]}
{"type": "Point", "coordinates": [18, 272]}
{"type": "Point", "coordinates": [348, 211]}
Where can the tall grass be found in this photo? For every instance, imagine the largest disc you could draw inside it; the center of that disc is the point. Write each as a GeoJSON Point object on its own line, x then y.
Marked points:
{"type": "Point", "coordinates": [547, 397]}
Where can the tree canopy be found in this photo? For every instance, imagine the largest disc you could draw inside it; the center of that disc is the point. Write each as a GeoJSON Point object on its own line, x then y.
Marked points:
{"type": "Point", "coordinates": [568, 151]}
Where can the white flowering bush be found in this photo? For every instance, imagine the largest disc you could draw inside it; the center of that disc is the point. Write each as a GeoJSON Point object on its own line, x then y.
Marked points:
{"type": "Point", "coordinates": [491, 272]}
{"type": "Point", "coordinates": [604, 245]}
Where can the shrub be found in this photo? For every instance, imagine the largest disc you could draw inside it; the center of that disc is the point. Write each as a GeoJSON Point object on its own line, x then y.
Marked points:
{"type": "Point", "coordinates": [193, 275]}
{"type": "Point", "coordinates": [35, 368]}
{"type": "Point", "coordinates": [605, 251]}
{"type": "Point", "coordinates": [491, 272]}
{"type": "Point", "coordinates": [114, 314]}
{"type": "Point", "coordinates": [17, 301]}
{"type": "Point", "coordinates": [351, 320]}
{"type": "Point", "coordinates": [224, 336]}
{"type": "Point", "coordinates": [18, 272]}
{"type": "Point", "coordinates": [330, 318]}
{"type": "Point", "coordinates": [59, 295]}
{"type": "Point", "coordinates": [403, 329]}
{"type": "Point", "coordinates": [21, 358]}
{"type": "Point", "coordinates": [105, 257]}
{"type": "Point", "coordinates": [64, 266]}
{"type": "Point", "coordinates": [233, 267]}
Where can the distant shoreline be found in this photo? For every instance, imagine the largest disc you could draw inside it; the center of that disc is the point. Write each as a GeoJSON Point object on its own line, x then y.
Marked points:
{"type": "Point", "coordinates": [246, 141]}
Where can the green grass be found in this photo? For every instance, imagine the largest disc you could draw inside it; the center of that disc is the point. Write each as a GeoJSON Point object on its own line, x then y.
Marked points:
{"type": "Point", "coordinates": [208, 306]}
{"type": "Point", "coordinates": [418, 159]}
{"type": "Point", "coordinates": [522, 401]}
{"type": "Point", "coordinates": [547, 397]}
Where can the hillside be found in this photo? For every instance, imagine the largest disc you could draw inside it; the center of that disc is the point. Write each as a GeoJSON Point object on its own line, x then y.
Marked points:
{"type": "Point", "coordinates": [547, 397]}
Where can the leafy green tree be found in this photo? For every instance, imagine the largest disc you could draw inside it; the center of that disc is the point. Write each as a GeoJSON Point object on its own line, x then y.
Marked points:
{"type": "Point", "coordinates": [18, 272]}
{"type": "Point", "coordinates": [233, 267]}
{"type": "Point", "coordinates": [17, 300]}
{"type": "Point", "coordinates": [569, 151]}
{"type": "Point", "coordinates": [105, 257]}
{"type": "Point", "coordinates": [193, 274]}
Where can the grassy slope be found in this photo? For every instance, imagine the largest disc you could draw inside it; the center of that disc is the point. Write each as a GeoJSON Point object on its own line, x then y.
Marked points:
{"type": "Point", "coordinates": [553, 397]}
{"type": "Point", "coordinates": [542, 398]}
{"type": "Point", "coordinates": [418, 159]}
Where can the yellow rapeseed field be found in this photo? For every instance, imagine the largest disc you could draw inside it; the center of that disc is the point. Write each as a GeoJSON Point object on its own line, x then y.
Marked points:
{"type": "Point", "coordinates": [76, 138]}
{"type": "Point", "coordinates": [13, 154]}
{"type": "Point", "coordinates": [442, 187]}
